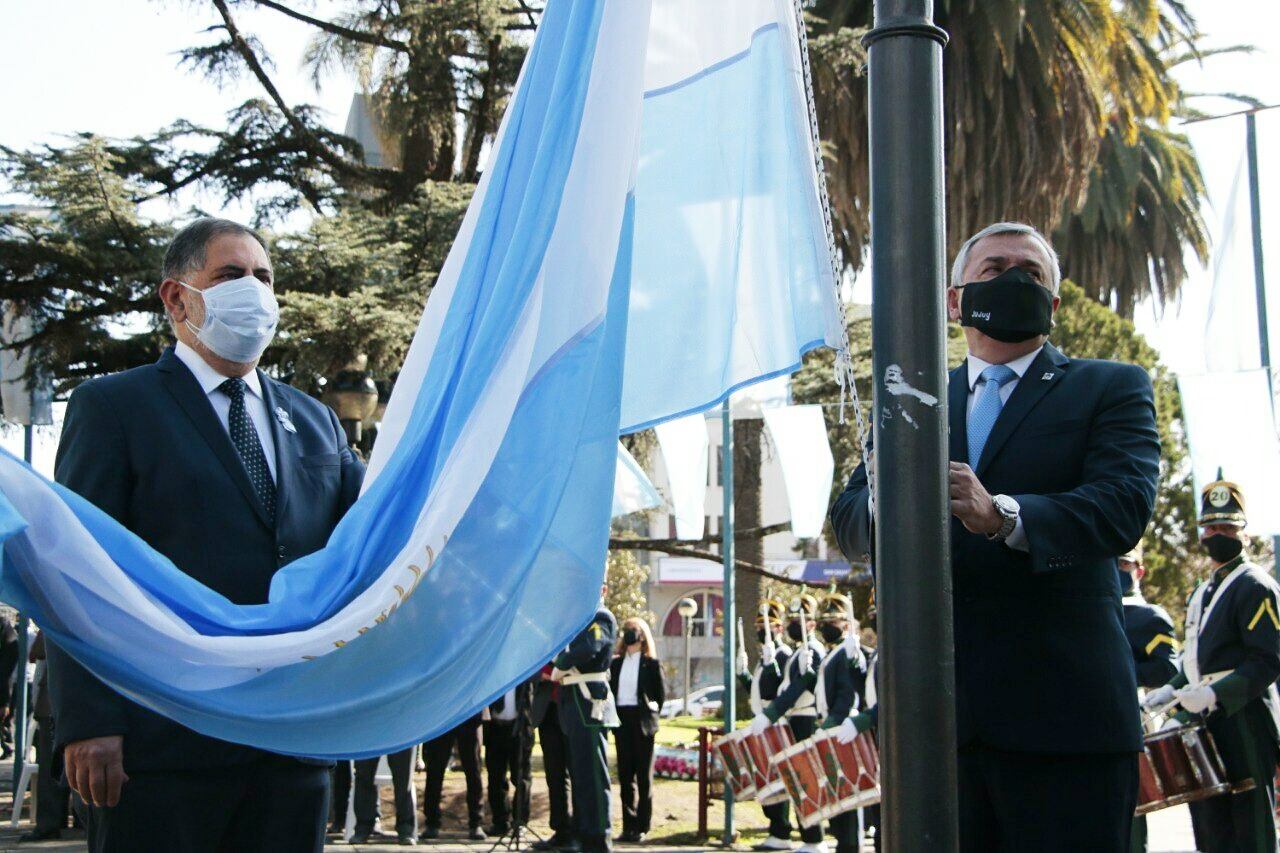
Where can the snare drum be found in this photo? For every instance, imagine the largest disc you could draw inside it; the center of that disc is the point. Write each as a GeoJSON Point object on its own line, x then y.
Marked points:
{"type": "Point", "coordinates": [762, 747]}
{"type": "Point", "coordinates": [738, 775]}
{"type": "Point", "coordinates": [852, 771]}
{"type": "Point", "coordinates": [1179, 765]}
{"type": "Point", "coordinates": [799, 768]}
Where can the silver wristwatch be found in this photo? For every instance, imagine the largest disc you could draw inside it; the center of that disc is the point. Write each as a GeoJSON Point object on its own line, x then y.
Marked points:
{"type": "Point", "coordinates": [1008, 509]}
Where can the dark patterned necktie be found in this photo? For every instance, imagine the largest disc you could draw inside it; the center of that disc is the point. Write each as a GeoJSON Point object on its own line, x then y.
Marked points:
{"type": "Point", "coordinates": [249, 446]}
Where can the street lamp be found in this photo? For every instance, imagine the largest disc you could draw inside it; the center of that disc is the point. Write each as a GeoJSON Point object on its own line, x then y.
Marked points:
{"type": "Point", "coordinates": [353, 396]}
{"type": "Point", "coordinates": [687, 608]}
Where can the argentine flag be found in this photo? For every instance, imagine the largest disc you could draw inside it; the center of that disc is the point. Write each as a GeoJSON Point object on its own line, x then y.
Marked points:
{"type": "Point", "coordinates": [649, 234]}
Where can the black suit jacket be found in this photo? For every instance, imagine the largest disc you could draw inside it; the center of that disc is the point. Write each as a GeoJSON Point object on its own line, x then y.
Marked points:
{"type": "Point", "coordinates": [651, 690]}
{"type": "Point", "coordinates": [146, 447]}
{"type": "Point", "coordinates": [1042, 662]}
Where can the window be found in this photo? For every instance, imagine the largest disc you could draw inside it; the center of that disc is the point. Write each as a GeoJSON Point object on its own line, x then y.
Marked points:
{"type": "Point", "coordinates": [707, 622]}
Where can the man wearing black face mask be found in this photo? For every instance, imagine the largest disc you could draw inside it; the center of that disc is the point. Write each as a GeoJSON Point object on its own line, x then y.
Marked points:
{"type": "Point", "coordinates": [796, 699]}
{"type": "Point", "coordinates": [1053, 474]}
{"type": "Point", "coordinates": [762, 686]}
{"type": "Point", "coordinates": [1150, 632]}
{"type": "Point", "coordinates": [1229, 668]}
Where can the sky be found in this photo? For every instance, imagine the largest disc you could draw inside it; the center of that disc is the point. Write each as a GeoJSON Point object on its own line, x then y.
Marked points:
{"type": "Point", "coordinates": [80, 65]}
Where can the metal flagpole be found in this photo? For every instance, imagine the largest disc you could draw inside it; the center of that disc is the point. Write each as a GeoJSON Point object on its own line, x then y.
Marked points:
{"type": "Point", "coordinates": [728, 706]}
{"type": "Point", "coordinates": [913, 554]}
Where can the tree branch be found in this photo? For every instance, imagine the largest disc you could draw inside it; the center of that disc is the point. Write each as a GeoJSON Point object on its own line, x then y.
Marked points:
{"type": "Point", "coordinates": [381, 177]}
{"type": "Point", "coordinates": [336, 29]}
{"type": "Point", "coordinates": [738, 565]}
{"type": "Point", "coordinates": [704, 542]}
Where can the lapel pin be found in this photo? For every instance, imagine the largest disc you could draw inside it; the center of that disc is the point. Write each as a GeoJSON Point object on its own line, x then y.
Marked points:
{"type": "Point", "coordinates": [283, 417]}
{"type": "Point", "coordinates": [1047, 376]}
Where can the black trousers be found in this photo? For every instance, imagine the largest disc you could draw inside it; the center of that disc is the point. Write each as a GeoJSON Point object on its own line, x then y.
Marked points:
{"type": "Point", "coordinates": [635, 768]}
{"type": "Point", "coordinates": [53, 797]}
{"type": "Point", "coordinates": [843, 829]}
{"type": "Point", "coordinates": [555, 767]}
{"type": "Point", "coordinates": [273, 806]}
{"type": "Point", "coordinates": [368, 805]}
{"type": "Point", "coordinates": [341, 797]}
{"type": "Point", "coordinates": [1244, 822]}
{"type": "Point", "coordinates": [467, 738]}
{"type": "Point", "coordinates": [1012, 802]}
{"type": "Point", "coordinates": [804, 727]}
{"type": "Point", "coordinates": [779, 815]}
{"type": "Point", "coordinates": [588, 771]}
{"type": "Point", "coordinates": [508, 756]}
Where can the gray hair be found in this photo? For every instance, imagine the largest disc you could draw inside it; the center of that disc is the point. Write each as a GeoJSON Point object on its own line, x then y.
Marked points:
{"type": "Point", "coordinates": [962, 256]}
{"type": "Point", "coordinates": [186, 252]}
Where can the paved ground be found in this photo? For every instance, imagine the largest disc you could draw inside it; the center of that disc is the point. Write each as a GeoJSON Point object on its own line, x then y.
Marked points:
{"type": "Point", "coordinates": [1170, 830]}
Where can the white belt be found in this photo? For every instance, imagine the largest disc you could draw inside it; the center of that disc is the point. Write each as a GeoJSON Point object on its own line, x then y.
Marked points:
{"type": "Point", "coordinates": [602, 710]}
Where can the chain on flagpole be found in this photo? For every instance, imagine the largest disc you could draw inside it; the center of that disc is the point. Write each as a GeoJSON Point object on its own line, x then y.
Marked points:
{"type": "Point", "coordinates": [844, 360]}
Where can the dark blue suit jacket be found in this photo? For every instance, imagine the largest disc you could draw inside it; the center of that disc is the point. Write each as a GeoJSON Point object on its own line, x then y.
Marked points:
{"type": "Point", "coordinates": [146, 447]}
{"type": "Point", "coordinates": [1042, 662]}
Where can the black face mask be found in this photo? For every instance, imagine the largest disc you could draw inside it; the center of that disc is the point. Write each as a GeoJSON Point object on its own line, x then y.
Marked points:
{"type": "Point", "coordinates": [762, 635]}
{"type": "Point", "coordinates": [830, 633]}
{"type": "Point", "coordinates": [1012, 307]}
{"type": "Point", "coordinates": [795, 632]}
{"type": "Point", "coordinates": [1126, 582]}
{"type": "Point", "coordinates": [1222, 548]}
{"type": "Point", "coordinates": [630, 636]}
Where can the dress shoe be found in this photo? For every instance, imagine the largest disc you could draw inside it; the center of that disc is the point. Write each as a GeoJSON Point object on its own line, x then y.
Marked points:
{"type": "Point", "coordinates": [359, 838]}
{"type": "Point", "coordinates": [407, 841]}
{"type": "Point", "coordinates": [773, 843]}
{"type": "Point", "coordinates": [429, 834]}
{"type": "Point", "coordinates": [41, 835]}
{"type": "Point", "coordinates": [476, 834]}
{"type": "Point", "coordinates": [555, 842]}
{"type": "Point", "coordinates": [498, 830]}
{"type": "Point", "coordinates": [627, 836]}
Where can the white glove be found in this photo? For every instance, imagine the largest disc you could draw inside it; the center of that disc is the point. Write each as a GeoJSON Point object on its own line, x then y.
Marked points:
{"type": "Point", "coordinates": [744, 666]}
{"type": "Point", "coordinates": [759, 723]}
{"type": "Point", "coordinates": [1158, 698]}
{"type": "Point", "coordinates": [846, 731]}
{"type": "Point", "coordinates": [1198, 700]}
{"type": "Point", "coordinates": [768, 654]}
{"type": "Point", "coordinates": [806, 659]}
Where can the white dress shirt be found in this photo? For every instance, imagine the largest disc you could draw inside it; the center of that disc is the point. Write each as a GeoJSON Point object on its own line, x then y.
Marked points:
{"type": "Point", "coordinates": [627, 680]}
{"type": "Point", "coordinates": [254, 403]}
{"type": "Point", "coordinates": [508, 711]}
{"type": "Point", "coordinates": [1018, 538]}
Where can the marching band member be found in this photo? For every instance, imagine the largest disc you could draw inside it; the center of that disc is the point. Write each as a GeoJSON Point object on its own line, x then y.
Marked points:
{"type": "Point", "coordinates": [1230, 663]}
{"type": "Point", "coordinates": [586, 710]}
{"type": "Point", "coordinates": [762, 685]}
{"type": "Point", "coordinates": [1150, 633]}
{"type": "Point", "coordinates": [839, 687]}
{"type": "Point", "coordinates": [795, 698]}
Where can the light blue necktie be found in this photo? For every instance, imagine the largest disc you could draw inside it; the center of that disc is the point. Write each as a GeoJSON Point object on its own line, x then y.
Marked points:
{"type": "Point", "coordinates": [986, 408]}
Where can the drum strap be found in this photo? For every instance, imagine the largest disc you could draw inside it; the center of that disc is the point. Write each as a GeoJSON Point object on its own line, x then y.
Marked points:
{"type": "Point", "coordinates": [602, 710]}
{"type": "Point", "coordinates": [804, 706]}
{"type": "Point", "coordinates": [1198, 617]}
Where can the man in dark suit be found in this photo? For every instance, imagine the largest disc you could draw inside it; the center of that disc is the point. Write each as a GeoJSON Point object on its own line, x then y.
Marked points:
{"type": "Point", "coordinates": [466, 738]}
{"type": "Point", "coordinates": [231, 475]}
{"type": "Point", "coordinates": [508, 758]}
{"type": "Point", "coordinates": [1053, 475]}
{"type": "Point", "coordinates": [545, 715]}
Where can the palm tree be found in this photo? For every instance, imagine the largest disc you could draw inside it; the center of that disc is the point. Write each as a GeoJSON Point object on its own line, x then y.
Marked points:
{"type": "Point", "coordinates": [1039, 96]}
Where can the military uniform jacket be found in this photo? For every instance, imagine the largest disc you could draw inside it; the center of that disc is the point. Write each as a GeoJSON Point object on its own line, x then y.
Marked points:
{"type": "Point", "coordinates": [1150, 633]}
{"type": "Point", "coordinates": [1233, 625]}
{"type": "Point", "coordinates": [765, 681]}
{"type": "Point", "coordinates": [795, 696]}
{"type": "Point", "coordinates": [591, 652]}
{"type": "Point", "coordinates": [841, 685]}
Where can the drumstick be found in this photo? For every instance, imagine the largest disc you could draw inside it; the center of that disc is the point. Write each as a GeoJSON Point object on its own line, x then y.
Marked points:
{"type": "Point", "coordinates": [1207, 681]}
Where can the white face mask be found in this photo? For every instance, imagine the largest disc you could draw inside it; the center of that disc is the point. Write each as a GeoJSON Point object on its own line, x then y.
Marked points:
{"type": "Point", "coordinates": [240, 318]}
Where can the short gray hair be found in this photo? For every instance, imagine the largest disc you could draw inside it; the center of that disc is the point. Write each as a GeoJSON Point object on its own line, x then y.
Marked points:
{"type": "Point", "coordinates": [962, 256]}
{"type": "Point", "coordinates": [186, 251]}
